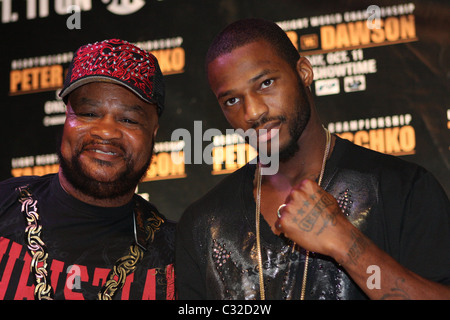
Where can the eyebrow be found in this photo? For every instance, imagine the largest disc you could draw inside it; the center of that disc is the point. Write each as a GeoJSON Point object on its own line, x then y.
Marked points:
{"type": "Point", "coordinates": [91, 102]}
{"type": "Point", "coordinates": [261, 74]}
{"type": "Point", "coordinates": [250, 81]}
{"type": "Point", "coordinates": [95, 103]}
{"type": "Point", "coordinates": [137, 108]}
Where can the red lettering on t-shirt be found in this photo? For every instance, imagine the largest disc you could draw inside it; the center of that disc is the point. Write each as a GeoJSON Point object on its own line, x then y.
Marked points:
{"type": "Point", "coordinates": [14, 253]}
{"type": "Point", "coordinates": [17, 277]}
{"type": "Point", "coordinates": [150, 286]}
{"type": "Point", "coordinates": [170, 277]}
{"type": "Point", "coordinates": [24, 291]}
{"type": "Point", "coordinates": [100, 275]}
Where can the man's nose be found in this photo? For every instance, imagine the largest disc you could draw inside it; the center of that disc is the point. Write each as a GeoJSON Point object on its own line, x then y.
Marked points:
{"type": "Point", "coordinates": [106, 128]}
{"type": "Point", "coordinates": [255, 108]}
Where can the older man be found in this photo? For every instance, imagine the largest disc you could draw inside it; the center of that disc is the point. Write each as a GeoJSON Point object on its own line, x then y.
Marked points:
{"type": "Point", "coordinates": [83, 233]}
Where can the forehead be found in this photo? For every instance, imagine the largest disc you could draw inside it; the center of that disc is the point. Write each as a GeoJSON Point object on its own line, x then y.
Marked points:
{"type": "Point", "coordinates": [244, 63]}
{"type": "Point", "coordinates": [101, 93]}
{"type": "Point", "coordinates": [104, 90]}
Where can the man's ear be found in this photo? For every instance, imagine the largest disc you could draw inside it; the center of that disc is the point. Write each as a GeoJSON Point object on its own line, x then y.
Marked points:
{"type": "Point", "coordinates": [155, 131]}
{"type": "Point", "coordinates": [305, 70]}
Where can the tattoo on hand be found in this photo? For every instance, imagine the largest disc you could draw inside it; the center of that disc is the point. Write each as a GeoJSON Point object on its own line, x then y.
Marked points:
{"type": "Point", "coordinates": [309, 221]}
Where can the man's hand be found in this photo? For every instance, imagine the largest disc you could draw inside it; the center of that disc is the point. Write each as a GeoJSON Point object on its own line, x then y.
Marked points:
{"type": "Point", "coordinates": [312, 219]}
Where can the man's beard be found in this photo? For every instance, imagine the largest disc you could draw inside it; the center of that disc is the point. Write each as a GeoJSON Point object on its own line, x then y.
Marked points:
{"type": "Point", "coordinates": [77, 176]}
{"type": "Point", "coordinates": [296, 124]}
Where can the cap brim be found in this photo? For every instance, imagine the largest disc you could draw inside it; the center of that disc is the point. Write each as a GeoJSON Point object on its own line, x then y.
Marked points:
{"type": "Point", "coordinates": [96, 78]}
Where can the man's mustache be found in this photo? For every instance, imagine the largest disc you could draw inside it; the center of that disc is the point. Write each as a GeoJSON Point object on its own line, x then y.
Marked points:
{"type": "Point", "coordinates": [85, 145]}
{"type": "Point", "coordinates": [264, 120]}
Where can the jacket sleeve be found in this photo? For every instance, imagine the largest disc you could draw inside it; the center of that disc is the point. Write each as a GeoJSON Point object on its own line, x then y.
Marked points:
{"type": "Point", "coordinates": [189, 265]}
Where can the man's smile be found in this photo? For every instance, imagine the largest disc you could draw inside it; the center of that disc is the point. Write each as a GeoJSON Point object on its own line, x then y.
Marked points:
{"type": "Point", "coordinates": [105, 152]}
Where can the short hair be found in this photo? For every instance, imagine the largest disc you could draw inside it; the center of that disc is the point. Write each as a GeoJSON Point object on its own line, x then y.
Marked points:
{"type": "Point", "coordinates": [246, 31]}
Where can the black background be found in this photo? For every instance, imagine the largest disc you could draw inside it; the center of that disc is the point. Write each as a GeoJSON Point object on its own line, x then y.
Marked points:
{"type": "Point", "coordinates": [411, 78]}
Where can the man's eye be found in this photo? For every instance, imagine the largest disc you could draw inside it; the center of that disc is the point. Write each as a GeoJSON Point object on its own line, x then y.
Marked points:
{"type": "Point", "coordinates": [266, 83]}
{"type": "Point", "coordinates": [129, 121]}
{"type": "Point", "coordinates": [231, 102]}
{"type": "Point", "coordinates": [87, 114]}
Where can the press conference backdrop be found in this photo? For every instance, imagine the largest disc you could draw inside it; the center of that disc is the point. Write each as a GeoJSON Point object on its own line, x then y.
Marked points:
{"type": "Point", "coordinates": [381, 80]}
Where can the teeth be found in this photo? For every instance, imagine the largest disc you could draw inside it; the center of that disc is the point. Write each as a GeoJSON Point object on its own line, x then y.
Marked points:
{"type": "Point", "coordinates": [103, 152]}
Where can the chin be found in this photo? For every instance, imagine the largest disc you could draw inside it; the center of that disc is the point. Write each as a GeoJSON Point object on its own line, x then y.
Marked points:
{"type": "Point", "coordinates": [103, 177]}
{"type": "Point", "coordinates": [102, 184]}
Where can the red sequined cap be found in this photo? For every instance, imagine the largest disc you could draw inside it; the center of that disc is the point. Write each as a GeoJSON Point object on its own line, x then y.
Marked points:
{"type": "Point", "coordinates": [118, 61]}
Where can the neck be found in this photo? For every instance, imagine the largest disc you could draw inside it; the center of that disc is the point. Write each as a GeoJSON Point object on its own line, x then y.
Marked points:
{"type": "Point", "coordinates": [306, 162]}
{"type": "Point", "coordinates": [78, 194]}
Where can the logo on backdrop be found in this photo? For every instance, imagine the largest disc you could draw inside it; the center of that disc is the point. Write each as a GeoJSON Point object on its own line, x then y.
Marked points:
{"type": "Point", "coordinates": [334, 43]}
{"type": "Point", "coordinates": [13, 11]}
{"type": "Point", "coordinates": [391, 134]}
{"type": "Point", "coordinates": [124, 7]}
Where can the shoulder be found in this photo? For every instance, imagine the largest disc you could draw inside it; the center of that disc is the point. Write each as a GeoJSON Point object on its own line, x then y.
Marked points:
{"type": "Point", "coordinates": [367, 160]}
{"type": "Point", "coordinates": [31, 181]}
{"type": "Point", "coordinates": [155, 230]}
{"type": "Point", "coordinates": [9, 189]}
{"type": "Point", "coordinates": [225, 191]}
{"type": "Point", "coordinates": [13, 183]}
{"type": "Point", "coordinates": [153, 215]}
{"type": "Point", "coordinates": [394, 176]}
{"type": "Point", "coordinates": [226, 196]}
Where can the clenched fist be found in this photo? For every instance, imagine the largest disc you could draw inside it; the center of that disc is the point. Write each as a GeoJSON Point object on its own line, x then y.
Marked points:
{"type": "Point", "coordinates": [312, 219]}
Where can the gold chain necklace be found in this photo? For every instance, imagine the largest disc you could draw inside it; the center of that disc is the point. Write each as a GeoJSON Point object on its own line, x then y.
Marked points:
{"type": "Point", "coordinates": [258, 214]}
{"type": "Point", "coordinates": [38, 250]}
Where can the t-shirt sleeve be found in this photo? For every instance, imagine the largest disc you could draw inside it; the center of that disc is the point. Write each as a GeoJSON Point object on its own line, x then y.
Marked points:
{"type": "Point", "coordinates": [425, 232]}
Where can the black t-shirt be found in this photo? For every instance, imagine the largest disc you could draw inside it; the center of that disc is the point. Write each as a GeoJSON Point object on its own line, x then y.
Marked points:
{"type": "Point", "coordinates": [398, 205]}
{"type": "Point", "coordinates": [83, 242]}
